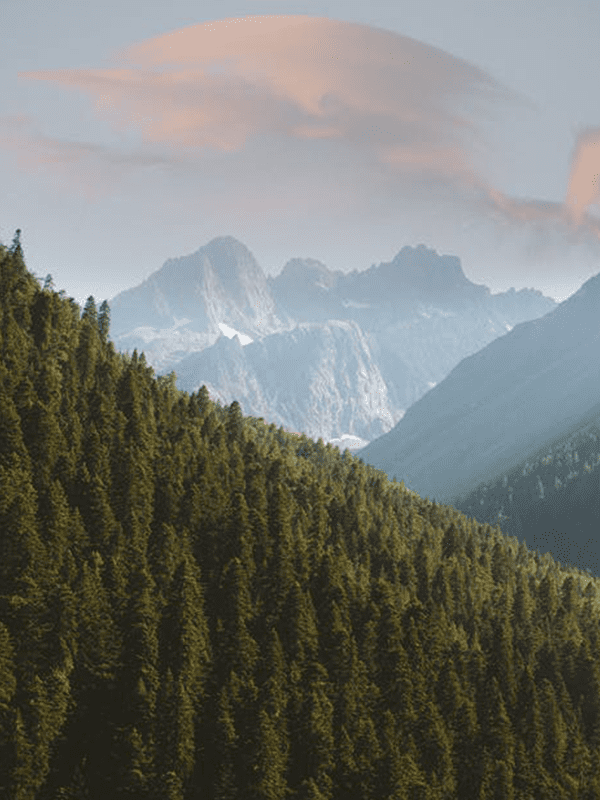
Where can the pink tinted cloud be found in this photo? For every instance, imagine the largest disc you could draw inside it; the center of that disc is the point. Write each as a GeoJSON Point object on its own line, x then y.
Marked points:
{"type": "Point", "coordinates": [389, 102]}
{"type": "Point", "coordinates": [584, 180]}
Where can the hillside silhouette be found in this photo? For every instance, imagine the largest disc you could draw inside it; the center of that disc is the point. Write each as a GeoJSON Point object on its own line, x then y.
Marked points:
{"type": "Point", "coordinates": [196, 605]}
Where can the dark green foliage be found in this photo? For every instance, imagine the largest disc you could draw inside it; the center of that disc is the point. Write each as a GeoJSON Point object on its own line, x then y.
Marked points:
{"type": "Point", "coordinates": [104, 321]}
{"type": "Point", "coordinates": [197, 606]}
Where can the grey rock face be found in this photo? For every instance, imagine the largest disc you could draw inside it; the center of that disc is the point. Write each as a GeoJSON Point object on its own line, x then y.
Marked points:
{"type": "Point", "coordinates": [318, 379]}
{"type": "Point", "coordinates": [177, 310]}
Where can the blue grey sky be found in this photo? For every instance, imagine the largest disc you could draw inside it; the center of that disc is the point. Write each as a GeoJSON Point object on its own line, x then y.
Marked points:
{"type": "Point", "coordinates": [132, 132]}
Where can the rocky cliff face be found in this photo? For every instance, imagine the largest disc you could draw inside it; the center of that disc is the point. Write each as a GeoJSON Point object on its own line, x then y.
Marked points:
{"type": "Point", "coordinates": [318, 379]}
{"type": "Point", "coordinates": [178, 309]}
{"type": "Point", "coordinates": [403, 324]}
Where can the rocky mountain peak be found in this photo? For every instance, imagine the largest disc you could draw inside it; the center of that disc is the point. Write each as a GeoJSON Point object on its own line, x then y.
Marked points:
{"type": "Point", "coordinates": [308, 271]}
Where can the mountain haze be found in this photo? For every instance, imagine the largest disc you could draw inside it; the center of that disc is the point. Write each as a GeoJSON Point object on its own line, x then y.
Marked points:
{"type": "Point", "coordinates": [408, 322]}
{"type": "Point", "coordinates": [499, 404]}
{"type": "Point", "coordinates": [318, 379]}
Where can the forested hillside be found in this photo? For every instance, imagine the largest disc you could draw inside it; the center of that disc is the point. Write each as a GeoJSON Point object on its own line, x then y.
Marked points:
{"type": "Point", "coordinates": [195, 605]}
{"type": "Point", "coordinates": [551, 497]}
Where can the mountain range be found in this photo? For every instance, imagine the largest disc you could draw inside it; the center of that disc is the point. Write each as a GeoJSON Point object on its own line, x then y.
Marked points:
{"type": "Point", "coordinates": [341, 356]}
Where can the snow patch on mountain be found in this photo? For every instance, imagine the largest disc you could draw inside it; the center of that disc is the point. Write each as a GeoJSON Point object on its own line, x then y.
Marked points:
{"type": "Point", "coordinates": [231, 332]}
{"type": "Point", "coordinates": [348, 441]}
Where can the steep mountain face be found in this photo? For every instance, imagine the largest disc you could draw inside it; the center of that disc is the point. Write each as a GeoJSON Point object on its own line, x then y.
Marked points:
{"type": "Point", "coordinates": [305, 290]}
{"type": "Point", "coordinates": [499, 404]}
{"type": "Point", "coordinates": [178, 309]}
{"type": "Point", "coordinates": [318, 379]}
{"type": "Point", "coordinates": [419, 315]}
{"type": "Point", "coordinates": [414, 273]}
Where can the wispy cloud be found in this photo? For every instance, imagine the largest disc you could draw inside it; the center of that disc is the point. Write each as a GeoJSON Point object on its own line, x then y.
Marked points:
{"type": "Point", "coordinates": [381, 117]}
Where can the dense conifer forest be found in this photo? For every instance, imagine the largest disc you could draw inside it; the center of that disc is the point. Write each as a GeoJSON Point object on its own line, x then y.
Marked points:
{"type": "Point", "coordinates": [198, 606]}
{"type": "Point", "coordinates": [551, 498]}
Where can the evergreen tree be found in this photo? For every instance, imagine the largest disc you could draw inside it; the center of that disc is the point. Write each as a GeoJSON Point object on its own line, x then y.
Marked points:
{"type": "Point", "coordinates": [422, 561]}
{"type": "Point", "coordinates": [273, 748]}
{"type": "Point", "coordinates": [502, 659]}
{"type": "Point", "coordinates": [281, 570]}
{"type": "Point", "coordinates": [529, 724]}
{"type": "Point", "coordinates": [15, 247]}
{"type": "Point", "coordinates": [498, 735]}
{"type": "Point", "coordinates": [226, 741]}
{"type": "Point", "coordinates": [235, 423]}
{"type": "Point", "coordinates": [441, 590]}
{"type": "Point", "coordinates": [548, 597]}
{"type": "Point", "coordinates": [104, 321]}
{"type": "Point", "coordinates": [87, 353]}
{"type": "Point", "coordinates": [434, 747]}
{"type": "Point", "coordinates": [497, 783]}
{"type": "Point", "coordinates": [11, 438]}
{"type": "Point", "coordinates": [466, 755]}
{"type": "Point", "coordinates": [500, 564]}
{"type": "Point", "coordinates": [176, 751]}
{"type": "Point", "coordinates": [137, 682]}
{"type": "Point", "coordinates": [8, 687]}
{"type": "Point", "coordinates": [555, 731]}
{"type": "Point", "coordinates": [316, 734]}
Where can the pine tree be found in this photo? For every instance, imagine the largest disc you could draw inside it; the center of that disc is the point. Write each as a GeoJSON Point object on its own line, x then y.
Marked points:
{"type": "Point", "coordinates": [441, 590]}
{"type": "Point", "coordinates": [502, 658]}
{"type": "Point", "coordinates": [434, 747]}
{"type": "Point", "coordinates": [317, 735]}
{"type": "Point", "coordinates": [104, 321]}
{"type": "Point", "coordinates": [258, 521]}
{"type": "Point", "coordinates": [176, 751]}
{"type": "Point", "coordinates": [281, 570]}
{"type": "Point", "coordinates": [466, 754]}
{"type": "Point", "coordinates": [555, 731]}
{"type": "Point", "coordinates": [500, 563]}
{"type": "Point", "coordinates": [15, 247]}
{"type": "Point", "coordinates": [234, 424]}
{"type": "Point", "coordinates": [547, 600]}
{"type": "Point", "coordinates": [86, 354]}
{"type": "Point", "coordinates": [226, 741]}
{"type": "Point", "coordinates": [422, 567]}
{"type": "Point", "coordinates": [529, 725]}
{"type": "Point", "coordinates": [271, 756]}
{"type": "Point", "coordinates": [498, 735]}
{"type": "Point", "coordinates": [137, 682]}
{"type": "Point", "coordinates": [11, 437]}
{"type": "Point", "coordinates": [8, 687]}
{"type": "Point", "coordinates": [191, 653]}
{"type": "Point", "coordinates": [497, 783]}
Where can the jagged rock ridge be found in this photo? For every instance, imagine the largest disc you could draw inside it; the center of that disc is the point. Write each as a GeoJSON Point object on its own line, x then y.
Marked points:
{"type": "Point", "coordinates": [418, 315]}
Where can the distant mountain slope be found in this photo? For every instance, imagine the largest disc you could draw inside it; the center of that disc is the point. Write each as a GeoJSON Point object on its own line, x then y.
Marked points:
{"type": "Point", "coordinates": [419, 313]}
{"type": "Point", "coordinates": [550, 498]}
{"type": "Point", "coordinates": [500, 403]}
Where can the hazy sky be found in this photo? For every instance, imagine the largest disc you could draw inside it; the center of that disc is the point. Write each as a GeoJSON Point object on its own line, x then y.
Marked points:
{"type": "Point", "coordinates": [132, 132]}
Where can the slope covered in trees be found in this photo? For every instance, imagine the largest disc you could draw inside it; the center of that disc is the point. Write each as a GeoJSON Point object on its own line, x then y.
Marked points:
{"type": "Point", "coordinates": [196, 605]}
{"type": "Point", "coordinates": [551, 497]}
